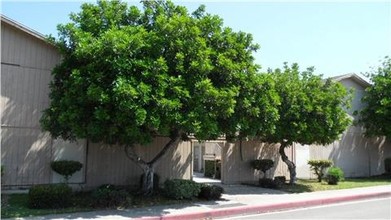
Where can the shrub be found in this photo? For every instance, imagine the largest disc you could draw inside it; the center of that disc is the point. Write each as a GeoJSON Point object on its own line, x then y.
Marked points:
{"type": "Point", "coordinates": [213, 169]}
{"type": "Point", "coordinates": [50, 196]}
{"type": "Point", "coordinates": [109, 196]}
{"type": "Point", "coordinates": [334, 175]}
{"type": "Point", "coordinates": [66, 168]}
{"type": "Point", "coordinates": [262, 165]}
{"type": "Point", "coordinates": [319, 166]}
{"type": "Point", "coordinates": [210, 192]}
{"type": "Point", "coordinates": [280, 179]}
{"type": "Point", "coordinates": [269, 183]}
{"type": "Point", "coordinates": [387, 164]}
{"type": "Point", "coordinates": [181, 189]}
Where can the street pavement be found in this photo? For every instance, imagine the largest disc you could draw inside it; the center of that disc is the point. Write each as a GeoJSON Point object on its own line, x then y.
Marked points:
{"type": "Point", "coordinates": [379, 208]}
{"type": "Point", "coordinates": [237, 200]}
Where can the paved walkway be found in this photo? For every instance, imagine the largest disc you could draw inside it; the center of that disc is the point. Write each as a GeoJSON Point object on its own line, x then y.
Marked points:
{"type": "Point", "coordinates": [237, 199]}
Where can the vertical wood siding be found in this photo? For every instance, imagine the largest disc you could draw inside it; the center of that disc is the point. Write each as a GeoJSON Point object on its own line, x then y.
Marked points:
{"type": "Point", "coordinates": [109, 164]}
{"type": "Point", "coordinates": [357, 155]}
{"type": "Point", "coordinates": [25, 153]}
{"type": "Point", "coordinates": [26, 65]}
{"type": "Point", "coordinates": [236, 165]}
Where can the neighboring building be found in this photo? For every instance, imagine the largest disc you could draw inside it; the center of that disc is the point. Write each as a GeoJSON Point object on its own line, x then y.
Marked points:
{"type": "Point", "coordinates": [357, 155]}
{"type": "Point", "coordinates": [26, 152]}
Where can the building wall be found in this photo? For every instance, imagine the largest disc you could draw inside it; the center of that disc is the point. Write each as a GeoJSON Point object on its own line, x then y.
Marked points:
{"type": "Point", "coordinates": [358, 92]}
{"type": "Point", "coordinates": [236, 163]}
{"type": "Point", "coordinates": [110, 165]}
{"type": "Point", "coordinates": [357, 155]}
{"type": "Point", "coordinates": [26, 64]}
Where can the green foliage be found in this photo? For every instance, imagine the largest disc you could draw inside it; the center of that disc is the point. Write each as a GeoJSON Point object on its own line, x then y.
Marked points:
{"type": "Point", "coordinates": [109, 196]}
{"type": "Point", "coordinates": [313, 109]}
{"type": "Point", "coordinates": [280, 179]}
{"type": "Point", "coordinates": [50, 196]}
{"type": "Point", "coordinates": [213, 169]}
{"type": "Point", "coordinates": [387, 165]}
{"type": "Point", "coordinates": [210, 192]}
{"type": "Point", "coordinates": [376, 115]}
{"type": "Point", "coordinates": [181, 189]}
{"type": "Point", "coordinates": [270, 183]}
{"type": "Point", "coordinates": [334, 175]}
{"type": "Point", "coordinates": [129, 74]}
{"type": "Point", "coordinates": [319, 166]}
{"type": "Point", "coordinates": [66, 168]}
{"type": "Point", "coordinates": [262, 164]}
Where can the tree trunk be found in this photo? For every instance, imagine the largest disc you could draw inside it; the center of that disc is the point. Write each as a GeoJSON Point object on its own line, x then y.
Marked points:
{"type": "Point", "coordinates": [148, 180]}
{"type": "Point", "coordinates": [290, 164]}
{"type": "Point", "coordinates": [147, 185]}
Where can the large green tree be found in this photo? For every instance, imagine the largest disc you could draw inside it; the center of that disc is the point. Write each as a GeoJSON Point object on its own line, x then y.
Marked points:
{"type": "Point", "coordinates": [376, 115]}
{"type": "Point", "coordinates": [130, 74]}
{"type": "Point", "coordinates": [311, 110]}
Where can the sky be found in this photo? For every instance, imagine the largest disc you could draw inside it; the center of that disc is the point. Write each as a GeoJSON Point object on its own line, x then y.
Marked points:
{"type": "Point", "coordinates": [336, 37]}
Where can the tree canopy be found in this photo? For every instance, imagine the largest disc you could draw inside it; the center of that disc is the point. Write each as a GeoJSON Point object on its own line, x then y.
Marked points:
{"type": "Point", "coordinates": [376, 115]}
{"type": "Point", "coordinates": [129, 74]}
{"type": "Point", "coordinates": [311, 111]}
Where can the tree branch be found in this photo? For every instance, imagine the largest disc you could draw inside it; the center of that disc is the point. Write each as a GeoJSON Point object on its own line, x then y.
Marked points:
{"type": "Point", "coordinates": [132, 155]}
{"type": "Point", "coordinates": [173, 141]}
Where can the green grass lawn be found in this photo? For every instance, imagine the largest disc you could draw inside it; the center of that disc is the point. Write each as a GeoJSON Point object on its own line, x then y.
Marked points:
{"type": "Point", "coordinates": [305, 185]}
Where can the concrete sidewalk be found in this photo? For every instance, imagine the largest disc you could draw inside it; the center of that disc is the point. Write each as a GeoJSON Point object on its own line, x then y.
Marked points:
{"type": "Point", "coordinates": [238, 199]}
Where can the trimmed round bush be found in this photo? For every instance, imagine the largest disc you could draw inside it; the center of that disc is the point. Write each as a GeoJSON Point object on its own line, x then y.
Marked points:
{"type": "Point", "coordinates": [279, 181]}
{"type": "Point", "coordinates": [109, 196]}
{"type": "Point", "coordinates": [181, 189]}
{"type": "Point", "coordinates": [263, 165]}
{"type": "Point", "coordinates": [50, 196]}
{"type": "Point", "coordinates": [334, 175]}
{"type": "Point", "coordinates": [319, 166]}
{"type": "Point", "coordinates": [269, 183]}
{"type": "Point", "coordinates": [66, 168]}
{"type": "Point", "coordinates": [210, 192]}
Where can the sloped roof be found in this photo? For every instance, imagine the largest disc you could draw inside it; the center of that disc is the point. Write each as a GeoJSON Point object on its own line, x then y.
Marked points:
{"type": "Point", "coordinates": [353, 77]}
{"type": "Point", "coordinates": [23, 28]}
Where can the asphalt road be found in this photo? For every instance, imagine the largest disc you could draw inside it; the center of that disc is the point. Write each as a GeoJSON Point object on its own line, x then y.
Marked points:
{"type": "Point", "coordinates": [363, 209]}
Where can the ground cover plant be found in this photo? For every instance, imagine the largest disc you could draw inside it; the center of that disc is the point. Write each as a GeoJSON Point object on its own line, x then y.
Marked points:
{"type": "Point", "coordinates": [16, 205]}
{"type": "Point", "coordinates": [111, 197]}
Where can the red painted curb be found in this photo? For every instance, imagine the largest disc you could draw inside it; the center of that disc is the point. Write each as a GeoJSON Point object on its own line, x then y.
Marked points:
{"type": "Point", "coordinates": [263, 208]}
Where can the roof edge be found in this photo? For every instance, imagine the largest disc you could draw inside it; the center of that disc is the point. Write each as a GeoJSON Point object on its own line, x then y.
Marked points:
{"type": "Point", "coordinates": [23, 28]}
{"type": "Point", "coordinates": [353, 76]}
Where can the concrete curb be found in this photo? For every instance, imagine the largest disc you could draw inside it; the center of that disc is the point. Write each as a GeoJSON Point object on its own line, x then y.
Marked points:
{"type": "Point", "coordinates": [252, 209]}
